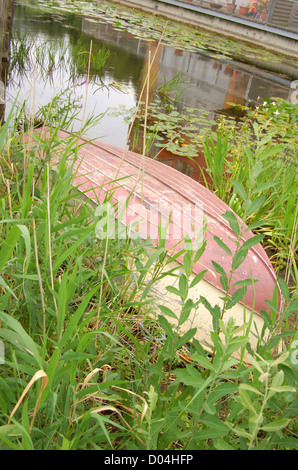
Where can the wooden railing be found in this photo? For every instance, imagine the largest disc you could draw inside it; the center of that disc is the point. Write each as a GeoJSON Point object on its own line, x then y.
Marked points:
{"type": "Point", "coordinates": [281, 13]}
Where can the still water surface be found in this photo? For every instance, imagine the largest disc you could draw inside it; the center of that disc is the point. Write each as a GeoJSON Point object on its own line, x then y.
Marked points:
{"type": "Point", "coordinates": [215, 83]}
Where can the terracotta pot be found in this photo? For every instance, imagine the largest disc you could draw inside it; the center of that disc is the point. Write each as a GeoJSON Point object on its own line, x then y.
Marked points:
{"type": "Point", "coordinates": [229, 6]}
{"type": "Point", "coordinates": [243, 11]}
{"type": "Point", "coordinates": [263, 15]}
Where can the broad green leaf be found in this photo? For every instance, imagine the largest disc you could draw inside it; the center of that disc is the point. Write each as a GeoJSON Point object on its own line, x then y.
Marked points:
{"type": "Point", "coordinates": [263, 187]}
{"type": "Point", "coordinates": [189, 376]}
{"type": "Point", "coordinates": [276, 425]}
{"type": "Point", "coordinates": [257, 224]}
{"type": "Point", "coordinates": [278, 379]}
{"type": "Point", "coordinates": [209, 408]}
{"type": "Point", "coordinates": [198, 278]}
{"type": "Point", "coordinates": [249, 388]}
{"type": "Point", "coordinates": [255, 363]}
{"type": "Point", "coordinates": [257, 419]}
{"type": "Point", "coordinates": [238, 431]}
{"type": "Point", "coordinates": [203, 361]}
{"type": "Point", "coordinates": [246, 282]}
{"type": "Point", "coordinates": [200, 251]}
{"type": "Point", "coordinates": [185, 312]}
{"type": "Point", "coordinates": [283, 357]}
{"type": "Point", "coordinates": [290, 309]}
{"type": "Point", "coordinates": [236, 297]}
{"type": "Point", "coordinates": [256, 205]}
{"type": "Point", "coordinates": [173, 290]}
{"type": "Point", "coordinates": [224, 282]}
{"type": "Point", "coordinates": [233, 222]}
{"type": "Point", "coordinates": [211, 433]}
{"type": "Point", "coordinates": [252, 242]}
{"type": "Point", "coordinates": [187, 264]}
{"type": "Point", "coordinates": [186, 337]}
{"type": "Point", "coordinates": [282, 389]}
{"type": "Point", "coordinates": [284, 289]}
{"type": "Point", "coordinates": [183, 286]}
{"type": "Point", "coordinates": [284, 442]}
{"type": "Point", "coordinates": [165, 326]}
{"type": "Point", "coordinates": [167, 311]}
{"type": "Point", "coordinates": [216, 427]}
{"type": "Point", "coordinates": [222, 390]}
{"type": "Point", "coordinates": [221, 444]}
{"type": "Point", "coordinates": [219, 269]}
{"type": "Point", "coordinates": [236, 344]}
{"type": "Point", "coordinates": [239, 189]}
{"type": "Point", "coordinates": [271, 151]}
{"type": "Point", "coordinates": [222, 245]}
{"type": "Point", "coordinates": [214, 311]}
{"type": "Point", "coordinates": [239, 257]}
{"type": "Point", "coordinates": [246, 401]}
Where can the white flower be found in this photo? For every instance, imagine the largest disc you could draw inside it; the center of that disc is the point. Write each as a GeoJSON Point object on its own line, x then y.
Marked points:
{"type": "Point", "coordinates": [276, 112]}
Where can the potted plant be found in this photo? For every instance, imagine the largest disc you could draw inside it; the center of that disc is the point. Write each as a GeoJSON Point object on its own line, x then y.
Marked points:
{"type": "Point", "coordinates": [263, 8]}
{"type": "Point", "coordinates": [264, 15]}
{"type": "Point", "coordinates": [244, 8]}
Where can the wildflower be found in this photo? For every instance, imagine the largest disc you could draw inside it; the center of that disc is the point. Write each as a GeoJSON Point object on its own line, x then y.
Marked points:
{"type": "Point", "coordinates": [276, 112]}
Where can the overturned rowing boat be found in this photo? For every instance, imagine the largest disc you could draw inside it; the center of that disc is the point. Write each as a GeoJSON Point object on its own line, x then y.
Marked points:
{"type": "Point", "coordinates": [155, 195]}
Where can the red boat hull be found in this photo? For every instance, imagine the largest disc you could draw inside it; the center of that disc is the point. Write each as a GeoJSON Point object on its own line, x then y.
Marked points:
{"type": "Point", "coordinates": [155, 192]}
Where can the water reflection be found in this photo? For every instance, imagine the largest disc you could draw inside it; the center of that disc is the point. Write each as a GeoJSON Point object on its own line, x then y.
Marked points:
{"type": "Point", "coordinates": [6, 12]}
{"type": "Point", "coordinates": [215, 84]}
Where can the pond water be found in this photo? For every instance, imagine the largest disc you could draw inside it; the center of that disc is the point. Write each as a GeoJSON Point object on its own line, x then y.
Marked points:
{"type": "Point", "coordinates": [214, 83]}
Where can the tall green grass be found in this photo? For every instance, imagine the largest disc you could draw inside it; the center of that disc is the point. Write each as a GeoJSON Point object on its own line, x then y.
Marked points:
{"type": "Point", "coordinates": [259, 162]}
{"type": "Point", "coordinates": [84, 367]}
{"type": "Point", "coordinates": [255, 159]}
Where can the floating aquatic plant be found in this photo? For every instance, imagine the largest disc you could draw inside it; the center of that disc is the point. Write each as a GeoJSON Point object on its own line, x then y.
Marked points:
{"type": "Point", "coordinates": [150, 27]}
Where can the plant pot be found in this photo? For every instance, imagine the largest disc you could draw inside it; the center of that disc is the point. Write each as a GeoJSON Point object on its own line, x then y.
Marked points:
{"type": "Point", "coordinates": [263, 15]}
{"type": "Point", "coordinates": [229, 7]}
{"type": "Point", "coordinates": [243, 10]}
